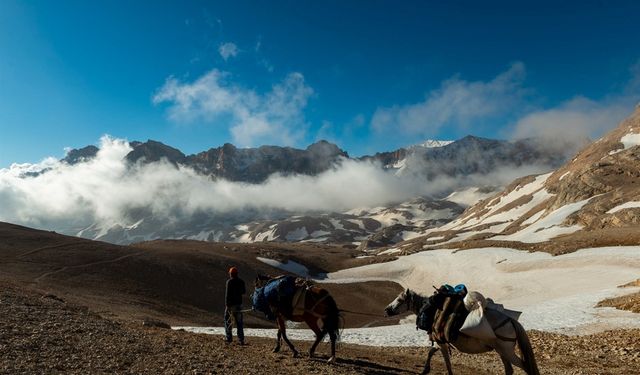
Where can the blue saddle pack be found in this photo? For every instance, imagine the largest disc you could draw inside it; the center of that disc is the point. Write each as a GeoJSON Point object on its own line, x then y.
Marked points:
{"type": "Point", "coordinates": [276, 293]}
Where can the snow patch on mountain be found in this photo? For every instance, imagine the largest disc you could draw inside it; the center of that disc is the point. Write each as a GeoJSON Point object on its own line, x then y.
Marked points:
{"type": "Point", "coordinates": [297, 235]}
{"type": "Point", "coordinates": [470, 196]}
{"type": "Point", "coordinates": [630, 140]}
{"type": "Point", "coordinates": [548, 227]}
{"type": "Point", "coordinates": [517, 193]}
{"type": "Point", "coordinates": [624, 206]}
{"type": "Point", "coordinates": [288, 266]}
{"type": "Point", "coordinates": [431, 143]}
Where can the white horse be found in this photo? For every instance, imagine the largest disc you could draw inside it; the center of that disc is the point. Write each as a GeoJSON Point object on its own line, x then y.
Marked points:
{"type": "Point", "coordinates": [507, 331]}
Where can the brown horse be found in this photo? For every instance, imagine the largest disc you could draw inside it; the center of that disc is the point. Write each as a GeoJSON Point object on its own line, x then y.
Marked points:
{"type": "Point", "coordinates": [320, 313]}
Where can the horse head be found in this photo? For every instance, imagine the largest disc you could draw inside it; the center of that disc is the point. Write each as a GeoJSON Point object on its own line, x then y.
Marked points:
{"type": "Point", "coordinates": [261, 280]}
{"type": "Point", "coordinates": [405, 298]}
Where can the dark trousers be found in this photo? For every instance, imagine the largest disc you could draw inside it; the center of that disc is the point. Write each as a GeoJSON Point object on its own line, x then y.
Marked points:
{"type": "Point", "coordinates": [234, 312]}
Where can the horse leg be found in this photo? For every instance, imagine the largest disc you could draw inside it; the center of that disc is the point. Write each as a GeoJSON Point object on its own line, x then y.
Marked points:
{"type": "Point", "coordinates": [447, 359]}
{"type": "Point", "coordinates": [283, 329]}
{"type": "Point", "coordinates": [333, 337]}
{"type": "Point", "coordinates": [319, 335]}
{"type": "Point", "coordinates": [508, 355]}
{"type": "Point", "coordinates": [508, 369]}
{"type": "Point", "coordinates": [277, 348]}
{"type": "Point", "coordinates": [427, 364]}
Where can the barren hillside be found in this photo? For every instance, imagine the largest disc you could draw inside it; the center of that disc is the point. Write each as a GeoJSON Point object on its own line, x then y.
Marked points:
{"type": "Point", "coordinates": [181, 282]}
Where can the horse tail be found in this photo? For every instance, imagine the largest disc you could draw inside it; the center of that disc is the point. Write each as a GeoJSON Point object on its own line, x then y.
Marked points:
{"type": "Point", "coordinates": [530, 365]}
{"type": "Point", "coordinates": [333, 321]}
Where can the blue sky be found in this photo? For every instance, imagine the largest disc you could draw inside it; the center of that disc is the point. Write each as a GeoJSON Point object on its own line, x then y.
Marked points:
{"type": "Point", "coordinates": [368, 75]}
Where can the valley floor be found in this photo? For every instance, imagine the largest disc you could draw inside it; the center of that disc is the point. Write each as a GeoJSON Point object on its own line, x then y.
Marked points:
{"type": "Point", "coordinates": [41, 333]}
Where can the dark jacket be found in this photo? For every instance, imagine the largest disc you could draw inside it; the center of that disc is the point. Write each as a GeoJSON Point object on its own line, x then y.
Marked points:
{"type": "Point", "coordinates": [235, 290]}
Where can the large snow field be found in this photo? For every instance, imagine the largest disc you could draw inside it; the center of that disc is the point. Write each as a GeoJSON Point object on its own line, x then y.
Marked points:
{"type": "Point", "coordinates": [556, 294]}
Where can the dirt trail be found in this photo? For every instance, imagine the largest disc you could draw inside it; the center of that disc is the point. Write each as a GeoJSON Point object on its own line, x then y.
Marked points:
{"type": "Point", "coordinates": [39, 278]}
{"type": "Point", "coordinates": [33, 251]}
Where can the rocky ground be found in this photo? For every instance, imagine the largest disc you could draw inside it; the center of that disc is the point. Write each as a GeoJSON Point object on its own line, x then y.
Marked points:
{"type": "Point", "coordinates": [42, 333]}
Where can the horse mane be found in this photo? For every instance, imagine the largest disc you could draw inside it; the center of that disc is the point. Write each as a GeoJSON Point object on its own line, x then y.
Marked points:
{"type": "Point", "coordinates": [417, 298]}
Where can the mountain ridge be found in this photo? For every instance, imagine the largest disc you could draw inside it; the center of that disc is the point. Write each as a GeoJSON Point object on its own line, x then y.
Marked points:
{"type": "Point", "coordinates": [255, 165]}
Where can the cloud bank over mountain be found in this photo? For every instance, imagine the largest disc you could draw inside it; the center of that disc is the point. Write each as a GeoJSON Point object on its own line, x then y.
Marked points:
{"type": "Point", "coordinates": [107, 189]}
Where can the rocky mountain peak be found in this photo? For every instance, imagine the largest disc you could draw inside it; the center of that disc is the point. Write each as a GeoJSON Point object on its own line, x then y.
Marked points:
{"type": "Point", "coordinates": [79, 155]}
{"type": "Point", "coordinates": [152, 151]}
{"type": "Point", "coordinates": [324, 148]}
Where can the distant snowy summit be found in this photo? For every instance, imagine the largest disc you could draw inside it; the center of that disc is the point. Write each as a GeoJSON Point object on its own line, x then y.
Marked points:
{"type": "Point", "coordinates": [432, 143]}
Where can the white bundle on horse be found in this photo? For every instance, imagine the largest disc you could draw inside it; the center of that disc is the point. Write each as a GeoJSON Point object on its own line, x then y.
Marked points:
{"type": "Point", "coordinates": [476, 324]}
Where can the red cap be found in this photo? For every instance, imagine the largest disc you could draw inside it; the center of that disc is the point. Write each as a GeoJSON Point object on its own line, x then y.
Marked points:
{"type": "Point", "coordinates": [233, 271]}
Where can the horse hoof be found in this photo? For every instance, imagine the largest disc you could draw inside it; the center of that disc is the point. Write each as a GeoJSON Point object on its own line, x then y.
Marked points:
{"type": "Point", "coordinates": [331, 360]}
{"type": "Point", "coordinates": [276, 350]}
{"type": "Point", "coordinates": [311, 355]}
{"type": "Point", "coordinates": [296, 354]}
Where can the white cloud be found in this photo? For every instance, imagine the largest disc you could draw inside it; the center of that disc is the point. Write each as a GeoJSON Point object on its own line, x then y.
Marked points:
{"type": "Point", "coordinates": [273, 117]}
{"type": "Point", "coordinates": [456, 103]}
{"type": "Point", "coordinates": [228, 50]}
{"type": "Point", "coordinates": [569, 124]}
{"type": "Point", "coordinates": [572, 122]}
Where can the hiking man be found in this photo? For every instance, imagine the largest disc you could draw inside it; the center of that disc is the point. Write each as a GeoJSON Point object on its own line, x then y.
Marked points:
{"type": "Point", "coordinates": [233, 305]}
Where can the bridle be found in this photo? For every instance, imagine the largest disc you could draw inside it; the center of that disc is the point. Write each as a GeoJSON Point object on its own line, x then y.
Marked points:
{"type": "Point", "coordinates": [410, 300]}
